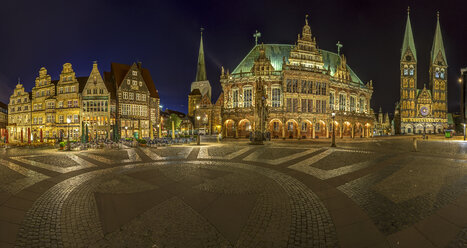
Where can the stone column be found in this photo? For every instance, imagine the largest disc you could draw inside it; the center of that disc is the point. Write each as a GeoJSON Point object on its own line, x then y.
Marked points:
{"type": "Point", "coordinates": [299, 132]}
{"type": "Point", "coordinates": [340, 130]}
{"type": "Point", "coordinates": [283, 130]}
{"type": "Point", "coordinates": [314, 135]}
{"type": "Point", "coordinates": [353, 129]}
{"type": "Point", "coordinates": [236, 131]}
{"type": "Point", "coordinates": [328, 126]}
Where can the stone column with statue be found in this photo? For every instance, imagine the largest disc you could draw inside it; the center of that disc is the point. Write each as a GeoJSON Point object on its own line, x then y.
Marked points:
{"type": "Point", "coordinates": [261, 114]}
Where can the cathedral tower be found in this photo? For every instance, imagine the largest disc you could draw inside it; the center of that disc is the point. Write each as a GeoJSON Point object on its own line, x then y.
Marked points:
{"type": "Point", "coordinates": [408, 68]}
{"type": "Point", "coordinates": [201, 82]}
{"type": "Point", "coordinates": [438, 74]}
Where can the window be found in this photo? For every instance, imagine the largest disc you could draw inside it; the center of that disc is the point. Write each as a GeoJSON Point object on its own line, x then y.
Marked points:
{"type": "Point", "coordinates": [73, 88]}
{"type": "Point", "coordinates": [323, 108]}
{"type": "Point", "coordinates": [26, 107]}
{"type": "Point", "coordinates": [323, 89]}
{"type": "Point", "coordinates": [289, 105]}
{"type": "Point", "coordinates": [289, 85]}
{"type": "Point", "coordinates": [442, 74]}
{"type": "Point", "coordinates": [67, 89]}
{"type": "Point", "coordinates": [362, 104]}
{"type": "Point", "coordinates": [352, 103]}
{"type": "Point", "coordinates": [290, 126]}
{"type": "Point", "coordinates": [143, 97]}
{"type": "Point", "coordinates": [39, 120]}
{"type": "Point", "coordinates": [276, 126]}
{"type": "Point", "coordinates": [70, 117]}
{"type": "Point", "coordinates": [295, 85]}
{"type": "Point", "coordinates": [134, 73]}
{"type": "Point", "coordinates": [140, 84]}
{"type": "Point", "coordinates": [34, 107]}
{"type": "Point", "coordinates": [131, 96]}
{"type": "Point", "coordinates": [235, 98]}
{"type": "Point", "coordinates": [128, 81]}
{"type": "Point", "coordinates": [137, 97]}
{"type": "Point", "coordinates": [276, 97]}
{"type": "Point", "coordinates": [304, 105]}
{"type": "Point", "coordinates": [50, 119]}
{"type": "Point", "coordinates": [70, 103]}
{"type": "Point", "coordinates": [48, 92]}
{"type": "Point", "coordinates": [411, 71]}
{"type": "Point", "coordinates": [304, 87]}
{"type": "Point", "coordinates": [94, 91]}
{"type": "Point", "coordinates": [406, 71]}
{"type": "Point", "coordinates": [101, 91]}
{"type": "Point", "coordinates": [60, 90]}
{"type": "Point", "coordinates": [247, 97]}
{"type": "Point", "coordinates": [42, 93]}
{"type": "Point", "coordinates": [134, 82]}
{"type": "Point", "coordinates": [34, 120]}
{"type": "Point", "coordinates": [75, 119]}
{"type": "Point", "coordinates": [318, 106]}
{"type": "Point", "coordinates": [75, 103]}
{"type": "Point", "coordinates": [60, 118]}
{"type": "Point", "coordinates": [125, 95]}
{"type": "Point", "coordinates": [39, 106]}
{"type": "Point", "coordinates": [310, 105]}
{"type": "Point", "coordinates": [304, 126]}
{"type": "Point", "coordinates": [331, 100]}
{"type": "Point", "coordinates": [295, 105]}
{"type": "Point", "coordinates": [342, 102]}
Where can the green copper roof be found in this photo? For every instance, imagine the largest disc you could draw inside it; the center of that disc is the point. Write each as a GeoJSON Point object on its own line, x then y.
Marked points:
{"type": "Point", "coordinates": [276, 53]}
{"type": "Point", "coordinates": [408, 39]}
{"type": "Point", "coordinates": [438, 44]}
{"type": "Point", "coordinates": [201, 70]}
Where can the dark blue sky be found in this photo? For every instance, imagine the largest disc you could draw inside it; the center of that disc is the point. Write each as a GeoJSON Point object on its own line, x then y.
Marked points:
{"type": "Point", "coordinates": [164, 35]}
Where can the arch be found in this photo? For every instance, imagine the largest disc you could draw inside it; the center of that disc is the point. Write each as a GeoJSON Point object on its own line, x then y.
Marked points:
{"type": "Point", "coordinates": [418, 129]}
{"type": "Point", "coordinates": [409, 129]}
{"type": "Point", "coordinates": [275, 128]}
{"type": "Point", "coordinates": [439, 128]}
{"type": "Point", "coordinates": [291, 127]}
{"type": "Point", "coordinates": [320, 129]}
{"type": "Point", "coordinates": [244, 128]}
{"type": "Point", "coordinates": [229, 128]}
{"type": "Point", "coordinates": [358, 132]}
{"type": "Point", "coordinates": [346, 129]}
{"type": "Point", "coordinates": [429, 129]}
{"type": "Point", "coordinates": [306, 127]}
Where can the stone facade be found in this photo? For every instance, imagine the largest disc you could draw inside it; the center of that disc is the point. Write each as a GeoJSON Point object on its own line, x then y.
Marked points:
{"type": "Point", "coordinates": [58, 109]}
{"type": "Point", "coordinates": [425, 110]}
{"type": "Point", "coordinates": [304, 85]}
{"type": "Point", "coordinates": [3, 121]}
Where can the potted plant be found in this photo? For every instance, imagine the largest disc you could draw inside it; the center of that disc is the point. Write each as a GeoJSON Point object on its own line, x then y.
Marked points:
{"type": "Point", "coordinates": [142, 142]}
{"type": "Point", "coordinates": [62, 145]}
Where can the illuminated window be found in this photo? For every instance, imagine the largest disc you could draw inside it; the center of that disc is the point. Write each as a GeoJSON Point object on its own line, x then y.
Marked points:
{"type": "Point", "coordinates": [235, 98]}
{"type": "Point", "coordinates": [134, 73]}
{"type": "Point", "coordinates": [276, 97]}
{"type": "Point", "coordinates": [125, 95]}
{"type": "Point", "coordinates": [247, 97]}
{"type": "Point", "coordinates": [131, 96]}
{"type": "Point", "coordinates": [331, 100]}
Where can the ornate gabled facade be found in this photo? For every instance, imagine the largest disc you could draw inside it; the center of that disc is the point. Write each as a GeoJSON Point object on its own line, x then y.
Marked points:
{"type": "Point", "coordinates": [19, 114]}
{"type": "Point", "coordinates": [137, 100]}
{"type": "Point", "coordinates": [425, 110]}
{"type": "Point", "coordinates": [303, 86]}
{"type": "Point", "coordinates": [95, 113]}
{"type": "Point", "coordinates": [59, 109]}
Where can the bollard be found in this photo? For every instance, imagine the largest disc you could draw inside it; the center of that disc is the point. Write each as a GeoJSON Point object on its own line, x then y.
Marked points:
{"type": "Point", "coordinates": [198, 139]}
{"type": "Point", "coordinates": [414, 144]}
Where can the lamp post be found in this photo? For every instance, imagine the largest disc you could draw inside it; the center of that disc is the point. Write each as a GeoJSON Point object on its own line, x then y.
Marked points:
{"type": "Point", "coordinates": [197, 137]}
{"type": "Point", "coordinates": [68, 134]}
{"type": "Point", "coordinates": [333, 142]}
{"type": "Point", "coordinates": [126, 131]}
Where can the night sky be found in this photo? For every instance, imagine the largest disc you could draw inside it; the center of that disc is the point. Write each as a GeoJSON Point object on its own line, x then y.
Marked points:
{"type": "Point", "coordinates": [164, 36]}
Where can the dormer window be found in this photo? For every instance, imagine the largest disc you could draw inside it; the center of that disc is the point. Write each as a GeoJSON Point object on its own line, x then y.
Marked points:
{"type": "Point", "coordinates": [134, 73]}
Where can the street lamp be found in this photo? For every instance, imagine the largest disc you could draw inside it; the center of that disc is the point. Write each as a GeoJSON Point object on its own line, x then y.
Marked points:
{"type": "Point", "coordinates": [126, 131]}
{"type": "Point", "coordinates": [333, 142]}
{"type": "Point", "coordinates": [68, 121]}
{"type": "Point", "coordinates": [197, 137]}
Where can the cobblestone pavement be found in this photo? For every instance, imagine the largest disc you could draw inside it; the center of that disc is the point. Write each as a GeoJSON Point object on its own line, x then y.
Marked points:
{"type": "Point", "coordinates": [364, 193]}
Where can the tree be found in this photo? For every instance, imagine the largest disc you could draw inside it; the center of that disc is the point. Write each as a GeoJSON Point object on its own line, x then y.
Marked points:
{"type": "Point", "coordinates": [168, 122]}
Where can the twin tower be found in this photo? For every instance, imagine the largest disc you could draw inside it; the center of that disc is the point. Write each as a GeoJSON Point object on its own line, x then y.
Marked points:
{"type": "Point", "coordinates": [422, 110]}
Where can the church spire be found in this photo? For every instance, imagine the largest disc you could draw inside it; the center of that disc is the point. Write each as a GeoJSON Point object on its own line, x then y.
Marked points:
{"type": "Point", "coordinates": [438, 46]}
{"type": "Point", "coordinates": [201, 70]}
{"type": "Point", "coordinates": [408, 43]}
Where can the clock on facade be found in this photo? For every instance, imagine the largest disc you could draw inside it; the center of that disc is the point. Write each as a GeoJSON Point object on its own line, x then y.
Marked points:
{"type": "Point", "coordinates": [424, 111]}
